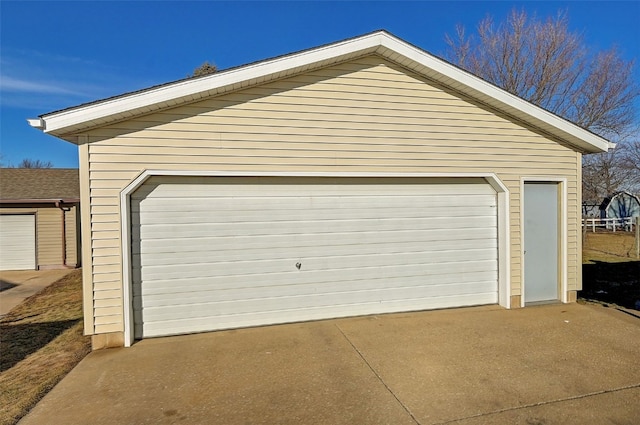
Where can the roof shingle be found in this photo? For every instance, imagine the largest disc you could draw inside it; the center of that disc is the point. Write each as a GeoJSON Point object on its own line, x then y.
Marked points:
{"type": "Point", "coordinates": [39, 183]}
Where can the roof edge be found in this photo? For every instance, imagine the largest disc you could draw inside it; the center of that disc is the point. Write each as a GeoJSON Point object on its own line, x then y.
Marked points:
{"type": "Point", "coordinates": [506, 101]}
{"type": "Point", "coordinates": [41, 201]}
{"type": "Point", "coordinates": [191, 90]}
{"type": "Point", "coordinates": [36, 123]}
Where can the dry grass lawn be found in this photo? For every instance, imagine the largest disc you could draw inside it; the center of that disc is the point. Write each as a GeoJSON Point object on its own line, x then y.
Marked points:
{"type": "Point", "coordinates": [608, 247]}
{"type": "Point", "coordinates": [41, 342]}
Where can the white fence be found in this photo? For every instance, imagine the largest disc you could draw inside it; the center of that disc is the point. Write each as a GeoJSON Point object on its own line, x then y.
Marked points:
{"type": "Point", "coordinates": [613, 224]}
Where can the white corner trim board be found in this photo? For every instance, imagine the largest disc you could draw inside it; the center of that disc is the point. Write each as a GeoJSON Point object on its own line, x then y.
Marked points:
{"type": "Point", "coordinates": [145, 207]}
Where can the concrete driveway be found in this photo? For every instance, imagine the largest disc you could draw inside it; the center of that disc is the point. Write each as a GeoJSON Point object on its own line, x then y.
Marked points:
{"type": "Point", "coordinates": [554, 364]}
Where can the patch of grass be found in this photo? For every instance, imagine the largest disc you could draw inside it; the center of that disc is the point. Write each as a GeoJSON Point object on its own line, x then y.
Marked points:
{"type": "Point", "coordinates": [41, 342]}
{"type": "Point", "coordinates": [608, 247]}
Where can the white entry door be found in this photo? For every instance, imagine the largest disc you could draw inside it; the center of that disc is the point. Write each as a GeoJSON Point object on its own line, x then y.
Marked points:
{"type": "Point", "coordinates": [541, 240]}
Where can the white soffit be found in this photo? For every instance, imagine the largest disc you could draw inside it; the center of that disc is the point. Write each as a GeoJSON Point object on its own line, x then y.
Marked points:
{"type": "Point", "coordinates": [67, 123]}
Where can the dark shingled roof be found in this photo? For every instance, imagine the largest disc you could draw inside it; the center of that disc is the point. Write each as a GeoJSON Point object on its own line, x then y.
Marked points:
{"type": "Point", "coordinates": [39, 184]}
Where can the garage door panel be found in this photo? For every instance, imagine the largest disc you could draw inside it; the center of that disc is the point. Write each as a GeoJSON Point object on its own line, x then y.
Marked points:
{"type": "Point", "coordinates": [353, 273]}
{"type": "Point", "coordinates": [348, 292]}
{"type": "Point", "coordinates": [327, 217]}
{"type": "Point", "coordinates": [182, 230]}
{"type": "Point", "coordinates": [211, 254]}
{"type": "Point", "coordinates": [280, 253]}
{"type": "Point", "coordinates": [168, 187]}
{"type": "Point", "coordinates": [155, 223]}
{"type": "Point", "coordinates": [298, 241]}
{"type": "Point", "coordinates": [233, 254]}
{"type": "Point", "coordinates": [155, 212]}
{"type": "Point", "coordinates": [332, 203]}
{"type": "Point", "coordinates": [13, 229]}
{"type": "Point", "coordinates": [196, 256]}
{"type": "Point", "coordinates": [325, 214]}
{"type": "Point", "coordinates": [198, 217]}
{"type": "Point", "coordinates": [473, 271]}
{"type": "Point", "coordinates": [205, 203]}
{"type": "Point", "coordinates": [201, 324]}
{"type": "Point", "coordinates": [348, 264]}
{"type": "Point", "coordinates": [275, 301]}
{"type": "Point", "coordinates": [172, 287]}
{"type": "Point", "coordinates": [306, 240]}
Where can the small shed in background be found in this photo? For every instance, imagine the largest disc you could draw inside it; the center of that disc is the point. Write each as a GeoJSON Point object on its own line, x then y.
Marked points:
{"type": "Point", "coordinates": [39, 218]}
{"type": "Point", "coordinates": [620, 205]}
{"type": "Point", "coordinates": [590, 209]}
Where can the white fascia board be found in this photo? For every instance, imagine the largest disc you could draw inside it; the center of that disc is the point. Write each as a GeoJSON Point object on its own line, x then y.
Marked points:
{"type": "Point", "coordinates": [36, 123]}
{"type": "Point", "coordinates": [56, 123]}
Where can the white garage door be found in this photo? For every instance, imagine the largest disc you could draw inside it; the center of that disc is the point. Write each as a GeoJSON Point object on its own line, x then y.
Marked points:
{"type": "Point", "coordinates": [226, 252]}
{"type": "Point", "coordinates": [17, 242]}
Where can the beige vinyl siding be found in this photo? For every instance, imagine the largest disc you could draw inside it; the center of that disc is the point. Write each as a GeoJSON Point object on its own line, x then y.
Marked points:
{"type": "Point", "coordinates": [18, 210]}
{"type": "Point", "coordinates": [49, 228]}
{"type": "Point", "coordinates": [368, 115]}
{"type": "Point", "coordinates": [71, 232]}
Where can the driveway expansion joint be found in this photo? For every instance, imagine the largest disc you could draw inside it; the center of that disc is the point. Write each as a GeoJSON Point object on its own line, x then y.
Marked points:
{"type": "Point", "coordinates": [406, 409]}
{"type": "Point", "coordinates": [542, 403]}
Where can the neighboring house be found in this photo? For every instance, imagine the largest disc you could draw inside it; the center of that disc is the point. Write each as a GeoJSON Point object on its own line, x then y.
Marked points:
{"type": "Point", "coordinates": [361, 177]}
{"type": "Point", "coordinates": [620, 205]}
{"type": "Point", "coordinates": [39, 218]}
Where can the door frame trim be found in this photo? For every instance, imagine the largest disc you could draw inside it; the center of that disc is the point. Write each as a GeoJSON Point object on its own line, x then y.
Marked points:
{"type": "Point", "coordinates": [562, 233]}
{"type": "Point", "coordinates": [502, 192]}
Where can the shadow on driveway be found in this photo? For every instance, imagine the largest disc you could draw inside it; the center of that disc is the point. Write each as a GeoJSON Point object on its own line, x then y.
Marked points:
{"type": "Point", "coordinates": [4, 285]}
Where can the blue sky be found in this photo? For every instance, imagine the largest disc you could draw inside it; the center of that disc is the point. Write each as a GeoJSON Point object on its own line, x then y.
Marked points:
{"type": "Point", "coordinates": [58, 54]}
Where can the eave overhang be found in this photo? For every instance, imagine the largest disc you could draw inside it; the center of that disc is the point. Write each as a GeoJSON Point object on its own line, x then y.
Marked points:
{"type": "Point", "coordinates": [40, 201]}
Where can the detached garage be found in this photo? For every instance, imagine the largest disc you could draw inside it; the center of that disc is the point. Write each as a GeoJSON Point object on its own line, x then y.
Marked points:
{"type": "Point", "coordinates": [39, 218]}
{"type": "Point", "coordinates": [361, 177]}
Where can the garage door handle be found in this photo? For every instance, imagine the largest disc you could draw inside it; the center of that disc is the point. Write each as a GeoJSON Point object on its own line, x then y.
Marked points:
{"type": "Point", "coordinates": [298, 265]}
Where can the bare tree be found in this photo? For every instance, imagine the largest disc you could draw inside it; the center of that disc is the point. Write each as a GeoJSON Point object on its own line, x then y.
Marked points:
{"type": "Point", "coordinates": [605, 174]}
{"type": "Point", "coordinates": [545, 63]}
{"type": "Point", "coordinates": [205, 69]}
{"type": "Point", "coordinates": [550, 66]}
{"type": "Point", "coordinates": [34, 163]}
{"type": "Point", "coordinates": [631, 163]}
